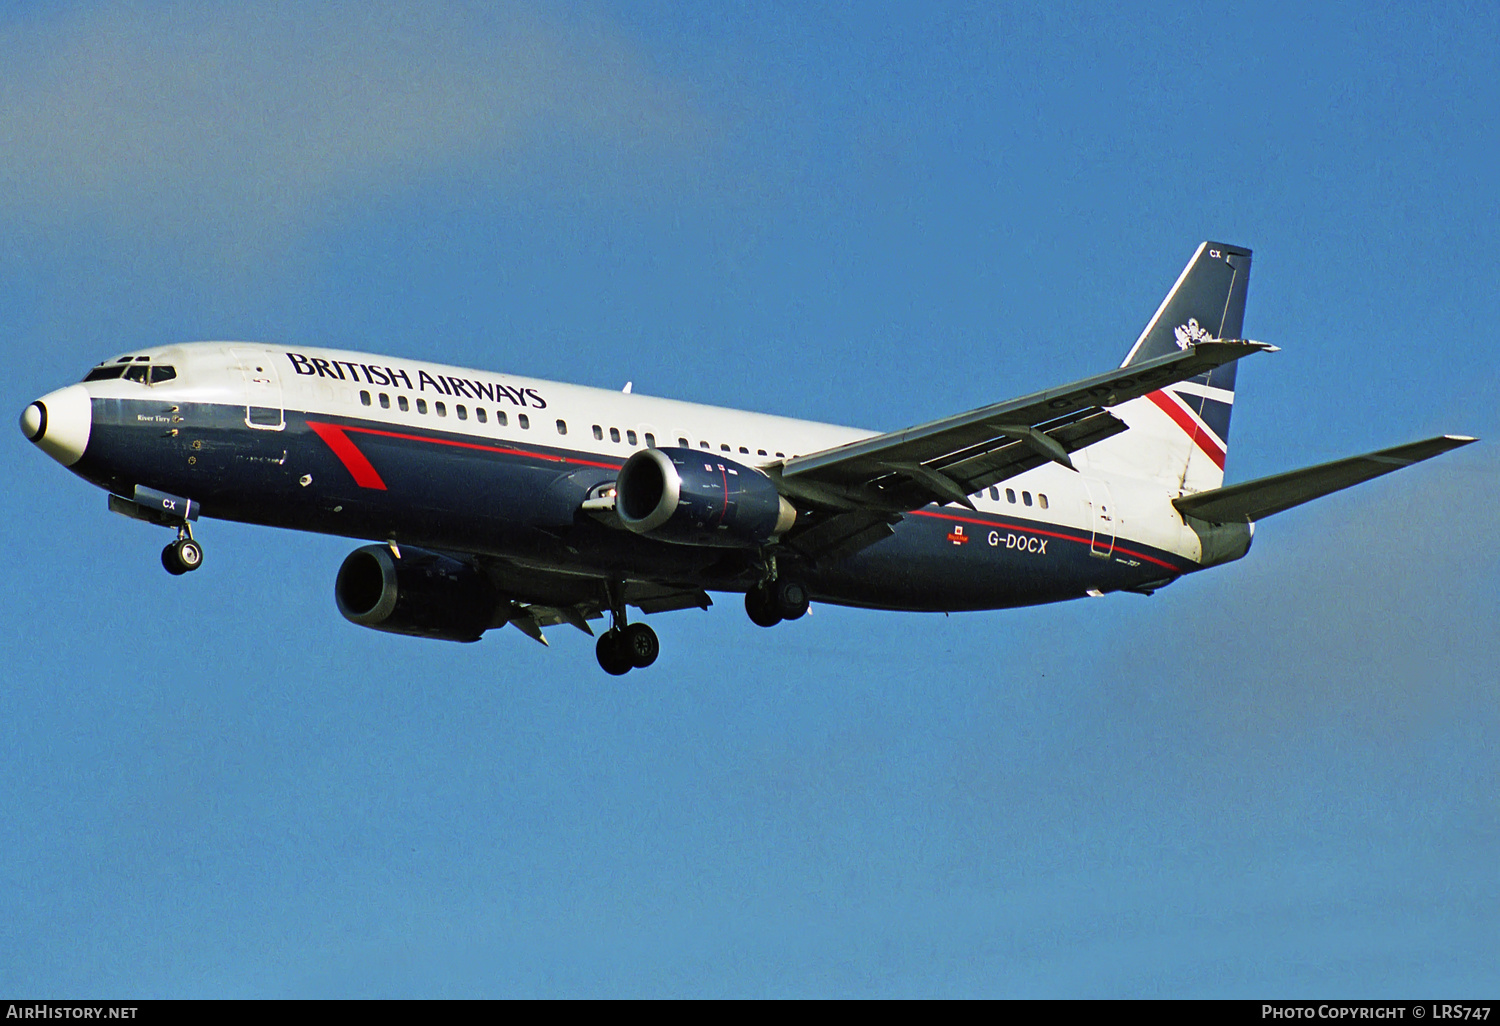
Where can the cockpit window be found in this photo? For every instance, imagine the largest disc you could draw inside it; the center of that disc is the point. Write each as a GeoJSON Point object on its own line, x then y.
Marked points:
{"type": "Point", "coordinates": [144, 373]}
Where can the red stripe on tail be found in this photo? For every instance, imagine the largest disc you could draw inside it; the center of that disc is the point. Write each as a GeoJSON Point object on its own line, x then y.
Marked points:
{"type": "Point", "coordinates": [1185, 421]}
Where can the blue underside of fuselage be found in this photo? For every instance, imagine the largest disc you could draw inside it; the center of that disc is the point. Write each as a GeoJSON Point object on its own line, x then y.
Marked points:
{"type": "Point", "coordinates": [519, 501]}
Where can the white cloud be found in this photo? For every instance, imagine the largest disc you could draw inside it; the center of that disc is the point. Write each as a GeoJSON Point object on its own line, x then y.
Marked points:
{"type": "Point", "coordinates": [250, 117]}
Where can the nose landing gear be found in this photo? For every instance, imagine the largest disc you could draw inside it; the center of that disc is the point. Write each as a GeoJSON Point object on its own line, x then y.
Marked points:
{"type": "Point", "coordinates": [165, 510]}
{"type": "Point", "coordinates": [183, 555]}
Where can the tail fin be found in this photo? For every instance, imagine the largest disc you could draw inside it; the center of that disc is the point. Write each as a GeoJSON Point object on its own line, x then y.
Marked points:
{"type": "Point", "coordinates": [1180, 434]}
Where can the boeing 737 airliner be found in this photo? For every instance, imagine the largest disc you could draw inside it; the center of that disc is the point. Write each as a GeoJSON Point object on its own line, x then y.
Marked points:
{"type": "Point", "coordinates": [492, 499]}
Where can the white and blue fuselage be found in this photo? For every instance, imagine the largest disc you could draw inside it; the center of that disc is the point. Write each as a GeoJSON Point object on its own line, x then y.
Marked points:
{"type": "Point", "coordinates": [470, 461]}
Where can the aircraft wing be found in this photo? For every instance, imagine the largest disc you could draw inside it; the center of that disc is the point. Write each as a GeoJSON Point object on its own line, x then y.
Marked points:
{"type": "Point", "coordinates": [1256, 500]}
{"type": "Point", "coordinates": [947, 460]}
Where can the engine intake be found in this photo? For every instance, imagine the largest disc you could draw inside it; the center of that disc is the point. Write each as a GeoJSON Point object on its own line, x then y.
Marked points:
{"type": "Point", "coordinates": [690, 497]}
{"type": "Point", "coordinates": [422, 594]}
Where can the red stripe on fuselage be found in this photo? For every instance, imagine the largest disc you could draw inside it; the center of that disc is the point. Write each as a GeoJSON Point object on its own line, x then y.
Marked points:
{"type": "Point", "coordinates": [1185, 420]}
{"type": "Point", "coordinates": [484, 448]}
{"type": "Point", "coordinates": [354, 461]}
{"type": "Point", "coordinates": [365, 475]}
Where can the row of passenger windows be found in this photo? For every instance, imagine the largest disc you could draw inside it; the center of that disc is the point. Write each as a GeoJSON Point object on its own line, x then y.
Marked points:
{"type": "Point", "coordinates": [1010, 497]}
{"type": "Point", "coordinates": [724, 447]}
{"type": "Point", "coordinates": [462, 411]}
{"type": "Point", "coordinates": [524, 422]}
{"type": "Point", "coordinates": [682, 442]}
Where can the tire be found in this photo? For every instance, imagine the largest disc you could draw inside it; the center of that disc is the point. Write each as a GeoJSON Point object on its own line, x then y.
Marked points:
{"type": "Point", "coordinates": [641, 645]}
{"type": "Point", "coordinates": [758, 607]}
{"type": "Point", "coordinates": [170, 563]}
{"type": "Point", "coordinates": [612, 655]}
{"type": "Point", "coordinates": [791, 599]}
{"type": "Point", "coordinates": [189, 554]}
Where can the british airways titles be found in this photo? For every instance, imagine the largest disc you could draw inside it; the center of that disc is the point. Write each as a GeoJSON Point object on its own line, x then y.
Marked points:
{"type": "Point", "coordinates": [395, 377]}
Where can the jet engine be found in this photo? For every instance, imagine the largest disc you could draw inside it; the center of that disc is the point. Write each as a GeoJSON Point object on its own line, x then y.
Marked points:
{"type": "Point", "coordinates": [418, 593]}
{"type": "Point", "coordinates": [699, 498]}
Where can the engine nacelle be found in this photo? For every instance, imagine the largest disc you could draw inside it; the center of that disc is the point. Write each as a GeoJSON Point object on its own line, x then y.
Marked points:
{"type": "Point", "coordinates": [694, 497]}
{"type": "Point", "coordinates": [420, 593]}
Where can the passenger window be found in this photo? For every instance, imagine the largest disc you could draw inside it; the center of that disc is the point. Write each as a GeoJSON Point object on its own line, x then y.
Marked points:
{"type": "Point", "coordinates": [724, 446]}
{"type": "Point", "coordinates": [760, 452]}
{"type": "Point", "coordinates": [782, 455]}
{"type": "Point", "coordinates": [614, 434]}
{"type": "Point", "coordinates": [598, 433]}
{"type": "Point", "coordinates": [440, 408]}
{"type": "Point", "coordinates": [501, 418]}
{"type": "Point", "coordinates": [385, 401]}
{"type": "Point", "coordinates": [562, 427]}
{"type": "Point", "coordinates": [704, 445]}
{"type": "Point", "coordinates": [524, 421]}
{"type": "Point", "coordinates": [630, 437]}
{"type": "Point", "coordinates": [994, 493]}
{"type": "Point", "coordinates": [1026, 498]}
{"type": "Point", "coordinates": [1010, 495]}
{"type": "Point", "coordinates": [421, 405]}
{"type": "Point", "coordinates": [402, 403]}
{"type": "Point", "coordinates": [744, 450]}
{"type": "Point", "coordinates": [364, 398]}
{"type": "Point", "coordinates": [479, 413]}
{"type": "Point", "coordinates": [683, 442]}
{"type": "Point", "coordinates": [463, 412]}
{"type": "Point", "coordinates": [650, 440]}
{"type": "Point", "coordinates": [1041, 499]}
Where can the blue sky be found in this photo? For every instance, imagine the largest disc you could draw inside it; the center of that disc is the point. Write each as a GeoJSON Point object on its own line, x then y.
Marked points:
{"type": "Point", "coordinates": [1276, 778]}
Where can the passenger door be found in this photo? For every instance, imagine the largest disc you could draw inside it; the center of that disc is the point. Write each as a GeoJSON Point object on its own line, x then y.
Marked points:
{"type": "Point", "coordinates": [263, 403]}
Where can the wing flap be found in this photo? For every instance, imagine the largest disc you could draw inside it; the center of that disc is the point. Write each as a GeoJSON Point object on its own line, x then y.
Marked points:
{"type": "Point", "coordinates": [841, 534]}
{"type": "Point", "coordinates": [981, 467]}
{"type": "Point", "coordinates": [1256, 500]}
{"type": "Point", "coordinates": [661, 598]}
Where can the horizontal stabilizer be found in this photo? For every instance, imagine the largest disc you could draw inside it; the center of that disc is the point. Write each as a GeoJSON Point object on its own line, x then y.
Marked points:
{"type": "Point", "coordinates": [1256, 500]}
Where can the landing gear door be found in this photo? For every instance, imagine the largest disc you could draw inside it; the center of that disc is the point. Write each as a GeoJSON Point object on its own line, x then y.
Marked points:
{"type": "Point", "coordinates": [1101, 519]}
{"type": "Point", "coordinates": [263, 408]}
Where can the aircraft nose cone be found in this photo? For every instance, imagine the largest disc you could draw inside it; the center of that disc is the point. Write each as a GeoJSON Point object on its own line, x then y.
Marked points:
{"type": "Point", "coordinates": [59, 423]}
{"type": "Point", "coordinates": [34, 421]}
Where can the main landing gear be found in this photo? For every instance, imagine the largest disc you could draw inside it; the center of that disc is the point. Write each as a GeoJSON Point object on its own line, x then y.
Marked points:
{"type": "Point", "coordinates": [625, 647]}
{"type": "Point", "coordinates": [182, 555]}
{"type": "Point", "coordinates": [775, 600]}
